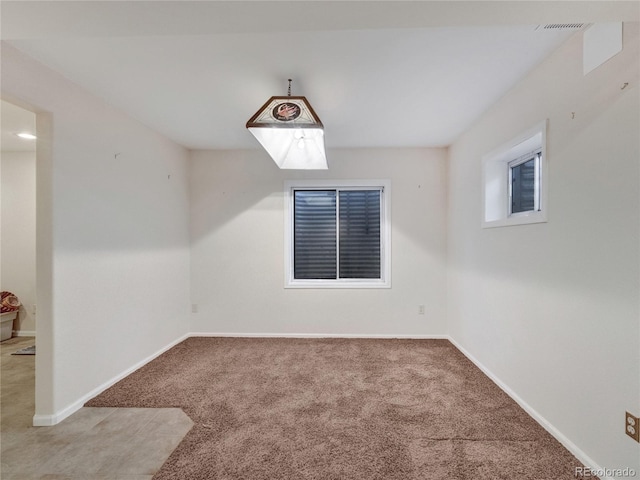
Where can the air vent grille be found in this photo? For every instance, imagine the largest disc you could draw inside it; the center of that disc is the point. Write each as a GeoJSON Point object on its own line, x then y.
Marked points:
{"type": "Point", "coordinates": [563, 26]}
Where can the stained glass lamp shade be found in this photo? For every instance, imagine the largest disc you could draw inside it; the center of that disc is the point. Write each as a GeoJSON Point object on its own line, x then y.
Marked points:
{"type": "Point", "coordinates": [291, 133]}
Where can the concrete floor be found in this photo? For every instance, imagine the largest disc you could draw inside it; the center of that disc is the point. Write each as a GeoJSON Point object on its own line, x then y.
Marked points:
{"type": "Point", "coordinates": [91, 444]}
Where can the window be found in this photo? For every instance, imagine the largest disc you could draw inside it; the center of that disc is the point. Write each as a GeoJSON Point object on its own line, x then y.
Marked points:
{"type": "Point", "coordinates": [337, 234]}
{"type": "Point", "coordinates": [524, 185]}
{"type": "Point", "coordinates": [514, 181]}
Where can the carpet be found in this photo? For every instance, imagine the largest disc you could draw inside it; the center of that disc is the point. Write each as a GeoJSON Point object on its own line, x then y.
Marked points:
{"type": "Point", "coordinates": [339, 409]}
{"type": "Point", "coordinates": [26, 351]}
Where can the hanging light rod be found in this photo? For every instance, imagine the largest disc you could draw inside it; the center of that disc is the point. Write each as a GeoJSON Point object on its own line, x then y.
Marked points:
{"type": "Point", "coordinates": [291, 132]}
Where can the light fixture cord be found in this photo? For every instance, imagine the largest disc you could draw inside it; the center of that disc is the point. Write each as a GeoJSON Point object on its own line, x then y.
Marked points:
{"type": "Point", "coordinates": [289, 91]}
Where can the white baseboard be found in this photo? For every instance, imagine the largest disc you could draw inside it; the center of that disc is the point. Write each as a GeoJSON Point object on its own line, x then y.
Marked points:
{"type": "Point", "coordinates": [44, 420]}
{"type": "Point", "coordinates": [49, 420]}
{"type": "Point", "coordinates": [318, 335]}
{"type": "Point", "coordinates": [24, 333]}
{"type": "Point", "coordinates": [568, 444]}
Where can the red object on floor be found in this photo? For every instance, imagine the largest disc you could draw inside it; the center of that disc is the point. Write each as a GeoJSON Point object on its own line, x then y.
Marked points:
{"type": "Point", "coordinates": [8, 302]}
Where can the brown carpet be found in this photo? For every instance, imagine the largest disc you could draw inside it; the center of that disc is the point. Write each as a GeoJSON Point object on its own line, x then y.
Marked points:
{"type": "Point", "coordinates": [339, 409]}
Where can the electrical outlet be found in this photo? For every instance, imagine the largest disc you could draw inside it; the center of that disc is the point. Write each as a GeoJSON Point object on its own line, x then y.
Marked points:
{"type": "Point", "coordinates": [194, 308]}
{"type": "Point", "coordinates": [420, 309]}
{"type": "Point", "coordinates": [632, 426]}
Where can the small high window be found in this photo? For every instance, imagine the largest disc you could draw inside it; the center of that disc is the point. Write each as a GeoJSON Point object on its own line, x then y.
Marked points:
{"type": "Point", "coordinates": [515, 181]}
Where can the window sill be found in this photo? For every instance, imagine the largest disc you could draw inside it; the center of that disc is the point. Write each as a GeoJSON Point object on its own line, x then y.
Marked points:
{"type": "Point", "coordinates": [365, 284]}
{"type": "Point", "coordinates": [523, 218]}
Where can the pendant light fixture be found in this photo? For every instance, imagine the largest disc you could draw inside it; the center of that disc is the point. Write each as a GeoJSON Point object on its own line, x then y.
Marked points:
{"type": "Point", "coordinates": [291, 133]}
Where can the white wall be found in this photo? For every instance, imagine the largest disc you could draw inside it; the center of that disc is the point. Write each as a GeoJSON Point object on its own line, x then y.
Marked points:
{"type": "Point", "coordinates": [113, 249]}
{"type": "Point", "coordinates": [552, 309]}
{"type": "Point", "coordinates": [18, 230]}
{"type": "Point", "coordinates": [237, 254]}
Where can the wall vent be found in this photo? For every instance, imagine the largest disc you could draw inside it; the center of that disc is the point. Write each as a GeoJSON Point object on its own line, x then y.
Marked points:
{"type": "Point", "coordinates": [562, 26]}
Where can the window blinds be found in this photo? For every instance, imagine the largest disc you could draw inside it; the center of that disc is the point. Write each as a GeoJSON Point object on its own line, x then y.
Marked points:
{"type": "Point", "coordinates": [315, 246]}
{"type": "Point", "coordinates": [359, 234]}
{"type": "Point", "coordinates": [337, 234]}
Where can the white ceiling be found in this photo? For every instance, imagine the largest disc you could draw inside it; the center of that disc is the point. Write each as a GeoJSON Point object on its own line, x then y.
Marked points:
{"type": "Point", "coordinates": [379, 74]}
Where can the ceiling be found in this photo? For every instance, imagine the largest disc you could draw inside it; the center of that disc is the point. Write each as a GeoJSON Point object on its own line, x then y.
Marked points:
{"type": "Point", "coordinates": [378, 74]}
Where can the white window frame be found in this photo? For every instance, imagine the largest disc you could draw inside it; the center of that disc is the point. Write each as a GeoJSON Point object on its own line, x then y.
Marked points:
{"type": "Point", "coordinates": [496, 179]}
{"type": "Point", "coordinates": [385, 233]}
